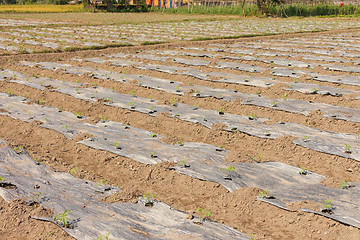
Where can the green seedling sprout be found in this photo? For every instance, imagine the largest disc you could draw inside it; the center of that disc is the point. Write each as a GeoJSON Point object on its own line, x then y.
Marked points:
{"type": "Point", "coordinates": [303, 171]}
{"type": "Point", "coordinates": [274, 104]}
{"type": "Point", "coordinates": [265, 195]}
{"type": "Point", "coordinates": [267, 133]}
{"type": "Point", "coordinates": [102, 182]}
{"type": "Point", "coordinates": [78, 115]}
{"type": "Point", "coordinates": [305, 138]}
{"type": "Point", "coordinates": [153, 155]}
{"type": "Point", "coordinates": [180, 142]}
{"type": "Point", "coordinates": [105, 237]}
{"type": "Point", "coordinates": [116, 145]}
{"type": "Point", "coordinates": [37, 197]}
{"type": "Point", "coordinates": [173, 101]}
{"type": "Point", "coordinates": [220, 111]}
{"type": "Point", "coordinates": [74, 170]}
{"type": "Point", "coordinates": [327, 207]}
{"type": "Point", "coordinates": [103, 118]}
{"type": "Point", "coordinates": [183, 163]}
{"type": "Point", "coordinates": [347, 148]}
{"type": "Point", "coordinates": [131, 104]}
{"type": "Point", "coordinates": [284, 96]}
{"type": "Point", "coordinates": [132, 92]}
{"type": "Point", "coordinates": [204, 214]}
{"type": "Point", "coordinates": [9, 92]}
{"type": "Point", "coordinates": [148, 199]}
{"type": "Point", "coordinates": [63, 217]}
{"type": "Point", "coordinates": [345, 185]}
{"type": "Point", "coordinates": [153, 135]}
{"type": "Point", "coordinates": [252, 116]}
{"type": "Point", "coordinates": [60, 109]}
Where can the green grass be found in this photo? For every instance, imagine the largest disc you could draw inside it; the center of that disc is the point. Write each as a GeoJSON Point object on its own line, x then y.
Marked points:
{"type": "Point", "coordinates": [286, 10]}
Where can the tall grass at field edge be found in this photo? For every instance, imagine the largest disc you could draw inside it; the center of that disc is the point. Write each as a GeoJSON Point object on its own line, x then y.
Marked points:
{"type": "Point", "coordinates": [285, 10]}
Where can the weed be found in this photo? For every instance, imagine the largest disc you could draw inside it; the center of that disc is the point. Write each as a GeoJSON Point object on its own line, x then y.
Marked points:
{"type": "Point", "coordinates": [63, 217]}
{"type": "Point", "coordinates": [148, 199]}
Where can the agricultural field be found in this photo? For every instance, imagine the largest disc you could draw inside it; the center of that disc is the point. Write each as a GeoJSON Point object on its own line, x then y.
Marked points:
{"type": "Point", "coordinates": [34, 36]}
{"type": "Point", "coordinates": [249, 138]}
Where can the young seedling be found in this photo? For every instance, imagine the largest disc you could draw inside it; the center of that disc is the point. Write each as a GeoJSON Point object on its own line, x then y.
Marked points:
{"type": "Point", "coordinates": [204, 214]}
{"type": "Point", "coordinates": [220, 111]}
{"type": "Point", "coordinates": [131, 104]}
{"type": "Point", "coordinates": [153, 135]}
{"type": "Point", "coordinates": [36, 161]}
{"type": "Point", "coordinates": [303, 171]}
{"type": "Point", "coordinates": [148, 199]}
{"type": "Point", "coordinates": [229, 171]}
{"type": "Point", "coordinates": [252, 116]}
{"type": "Point", "coordinates": [9, 92]}
{"type": "Point", "coordinates": [327, 207]}
{"type": "Point", "coordinates": [37, 197]}
{"type": "Point", "coordinates": [265, 195]}
{"type": "Point", "coordinates": [347, 148]}
{"type": "Point", "coordinates": [345, 185]}
{"type": "Point", "coordinates": [103, 119]}
{"type": "Point", "coordinates": [152, 110]}
{"type": "Point", "coordinates": [66, 127]}
{"type": "Point", "coordinates": [220, 148]}
{"type": "Point", "coordinates": [109, 100]}
{"type": "Point", "coordinates": [102, 182]}
{"type": "Point", "coordinates": [73, 170]}
{"type": "Point", "coordinates": [60, 109]}
{"type": "Point", "coordinates": [150, 98]}
{"type": "Point", "coordinates": [180, 142]}
{"type": "Point", "coordinates": [305, 138]}
{"type": "Point", "coordinates": [267, 133]}
{"type": "Point", "coordinates": [116, 145]}
{"type": "Point", "coordinates": [63, 218]}
{"type": "Point", "coordinates": [183, 163]}
{"type": "Point", "coordinates": [105, 237]}
{"type": "Point", "coordinates": [132, 92]}
{"type": "Point", "coordinates": [78, 115]}
{"type": "Point", "coordinates": [274, 104]}
{"type": "Point", "coordinates": [284, 96]}
{"type": "Point", "coordinates": [18, 149]}
{"type": "Point", "coordinates": [173, 102]}
{"type": "Point", "coordinates": [153, 155]}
